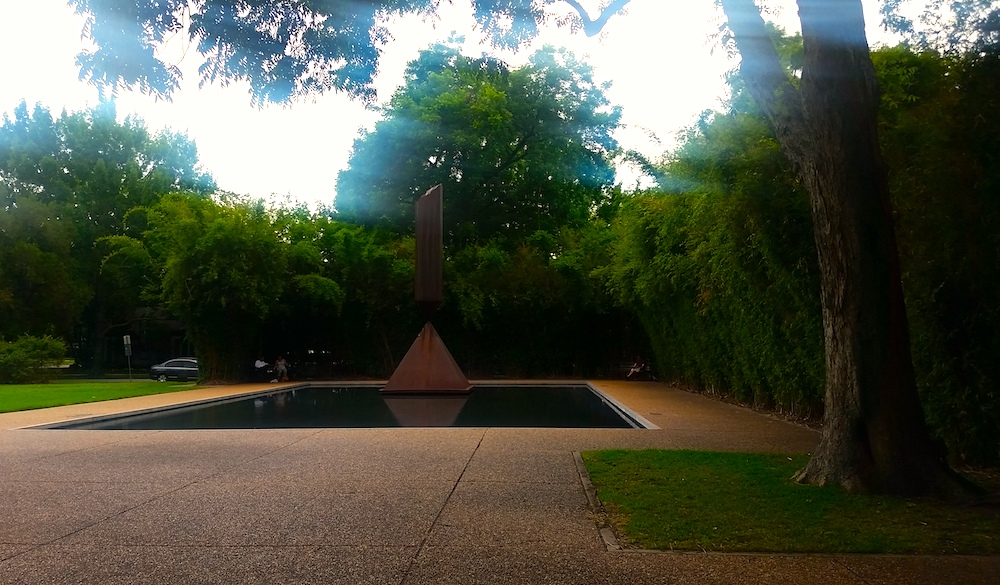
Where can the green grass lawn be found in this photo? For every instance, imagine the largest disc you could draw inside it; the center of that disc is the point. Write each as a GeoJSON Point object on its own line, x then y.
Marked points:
{"type": "Point", "coordinates": [739, 502]}
{"type": "Point", "coordinates": [14, 397]}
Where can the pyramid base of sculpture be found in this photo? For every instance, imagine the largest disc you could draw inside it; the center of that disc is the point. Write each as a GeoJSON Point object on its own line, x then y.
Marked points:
{"type": "Point", "coordinates": [427, 367]}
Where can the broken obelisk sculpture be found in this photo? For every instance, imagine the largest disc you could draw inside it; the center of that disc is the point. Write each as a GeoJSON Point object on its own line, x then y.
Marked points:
{"type": "Point", "coordinates": [428, 367]}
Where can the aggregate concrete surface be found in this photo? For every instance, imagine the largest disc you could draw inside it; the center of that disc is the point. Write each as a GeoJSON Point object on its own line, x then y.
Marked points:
{"type": "Point", "coordinates": [397, 506]}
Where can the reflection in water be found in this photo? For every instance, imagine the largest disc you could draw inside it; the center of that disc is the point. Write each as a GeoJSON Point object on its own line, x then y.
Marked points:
{"type": "Point", "coordinates": [425, 411]}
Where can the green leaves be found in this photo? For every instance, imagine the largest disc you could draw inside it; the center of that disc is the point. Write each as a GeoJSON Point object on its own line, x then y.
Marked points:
{"type": "Point", "coordinates": [320, 290]}
{"type": "Point", "coordinates": [28, 359]}
{"type": "Point", "coordinates": [516, 150]}
{"type": "Point", "coordinates": [951, 27]}
{"type": "Point", "coordinates": [69, 182]}
{"type": "Point", "coordinates": [219, 263]}
{"type": "Point", "coordinates": [940, 141]}
{"type": "Point", "coordinates": [283, 48]}
{"type": "Point", "coordinates": [722, 268]}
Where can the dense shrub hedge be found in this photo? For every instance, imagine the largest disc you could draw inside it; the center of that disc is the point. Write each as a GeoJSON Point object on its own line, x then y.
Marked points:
{"type": "Point", "coordinates": [726, 285]}
{"type": "Point", "coordinates": [721, 267]}
{"type": "Point", "coordinates": [29, 359]}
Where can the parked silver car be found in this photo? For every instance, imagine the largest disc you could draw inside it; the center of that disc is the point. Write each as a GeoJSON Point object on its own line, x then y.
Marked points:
{"type": "Point", "coordinates": [180, 369]}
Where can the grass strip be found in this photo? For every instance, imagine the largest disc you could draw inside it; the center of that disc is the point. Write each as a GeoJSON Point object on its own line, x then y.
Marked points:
{"type": "Point", "coordinates": [15, 397]}
{"type": "Point", "coordinates": [740, 502]}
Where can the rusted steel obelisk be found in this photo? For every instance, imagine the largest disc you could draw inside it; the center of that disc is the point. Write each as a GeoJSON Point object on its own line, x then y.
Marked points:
{"type": "Point", "coordinates": [428, 366]}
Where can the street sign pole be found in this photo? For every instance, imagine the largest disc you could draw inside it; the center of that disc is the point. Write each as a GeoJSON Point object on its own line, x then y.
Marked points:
{"type": "Point", "coordinates": [128, 354]}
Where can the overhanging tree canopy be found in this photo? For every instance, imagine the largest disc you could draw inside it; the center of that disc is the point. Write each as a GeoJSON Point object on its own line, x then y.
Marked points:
{"type": "Point", "coordinates": [283, 48]}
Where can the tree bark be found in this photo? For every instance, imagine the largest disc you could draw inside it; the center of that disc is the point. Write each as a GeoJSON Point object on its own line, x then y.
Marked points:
{"type": "Point", "coordinates": [875, 437]}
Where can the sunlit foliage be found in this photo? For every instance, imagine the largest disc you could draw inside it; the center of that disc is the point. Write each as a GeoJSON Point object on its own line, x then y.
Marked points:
{"type": "Point", "coordinates": [66, 182]}
{"type": "Point", "coordinates": [516, 150]}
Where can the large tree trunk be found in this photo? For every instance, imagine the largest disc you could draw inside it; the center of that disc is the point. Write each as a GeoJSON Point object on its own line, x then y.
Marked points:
{"type": "Point", "coordinates": [874, 438]}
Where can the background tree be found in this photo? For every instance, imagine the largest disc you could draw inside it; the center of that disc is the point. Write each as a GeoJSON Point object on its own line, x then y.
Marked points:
{"type": "Point", "coordinates": [951, 27]}
{"type": "Point", "coordinates": [40, 292]}
{"type": "Point", "coordinates": [219, 267]}
{"type": "Point", "coordinates": [246, 281]}
{"type": "Point", "coordinates": [516, 150]}
{"type": "Point", "coordinates": [375, 269]}
{"type": "Point", "coordinates": [537, 307]}
{"type": "Point", "coordinates": [68, 182]}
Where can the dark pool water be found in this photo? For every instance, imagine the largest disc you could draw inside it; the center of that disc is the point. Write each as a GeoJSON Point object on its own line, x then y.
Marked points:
{"type": "Point", "coordinates": [572, 406]}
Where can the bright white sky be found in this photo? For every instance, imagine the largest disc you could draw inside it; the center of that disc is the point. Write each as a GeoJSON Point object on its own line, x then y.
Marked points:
{"type": "Point", "coordinates": [660, 56]}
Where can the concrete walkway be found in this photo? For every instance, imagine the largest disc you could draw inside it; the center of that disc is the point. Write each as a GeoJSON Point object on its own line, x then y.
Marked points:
{"type": "Point", "coordinates": [398, 506]}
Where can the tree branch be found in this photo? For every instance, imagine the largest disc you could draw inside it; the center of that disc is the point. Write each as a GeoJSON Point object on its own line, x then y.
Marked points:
{"type": "Point", "coordinates": [592, 27]}
{"type": "Point", "coordinates": [765, 78]}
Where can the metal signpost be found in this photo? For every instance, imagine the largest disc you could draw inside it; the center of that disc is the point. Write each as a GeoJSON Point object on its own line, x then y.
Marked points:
{"type": "Point", "coordinates": [128, 354]}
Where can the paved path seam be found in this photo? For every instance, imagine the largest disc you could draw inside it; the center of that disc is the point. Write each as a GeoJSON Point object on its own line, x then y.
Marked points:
{"type": "Point", "coordinates": [423, 541]}
{"type": "Point", "coordinates": [55, 541]}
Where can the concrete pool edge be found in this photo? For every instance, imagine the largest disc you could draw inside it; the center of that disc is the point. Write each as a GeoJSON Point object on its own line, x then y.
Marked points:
{"type": "Point", "coordinates": [54, 418]}
{"type": "Point", "coordinates": [39, 417]}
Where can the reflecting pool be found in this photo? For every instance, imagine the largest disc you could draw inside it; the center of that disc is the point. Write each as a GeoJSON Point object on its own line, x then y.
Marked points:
{"type": "Point", "coordinates": [565, 406]}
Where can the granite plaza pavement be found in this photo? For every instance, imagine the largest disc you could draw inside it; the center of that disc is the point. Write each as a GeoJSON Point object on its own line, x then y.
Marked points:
{"type": "Point", "coordinates": [393, 506]}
